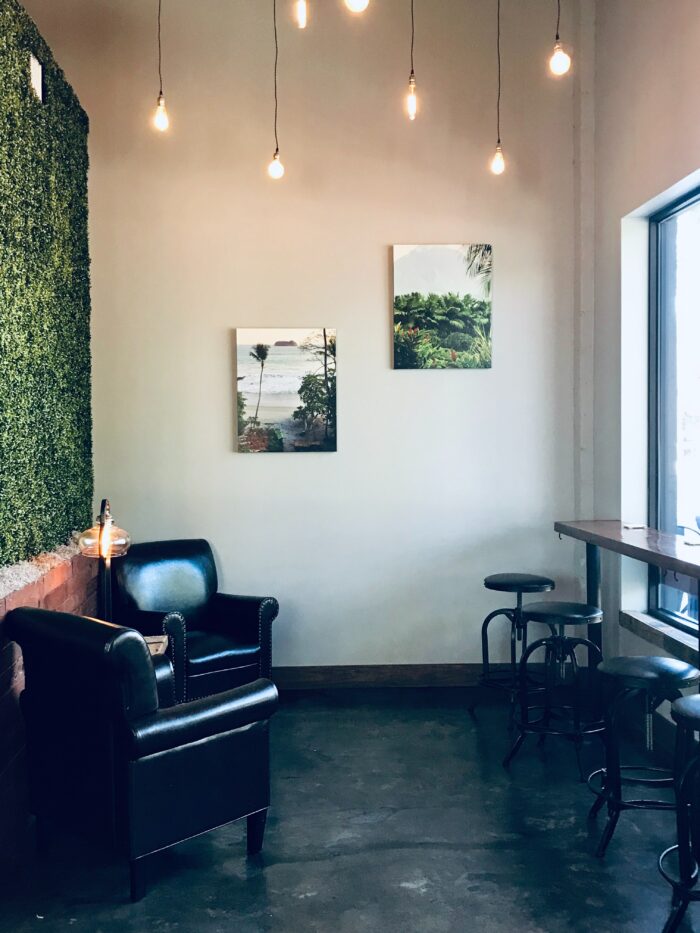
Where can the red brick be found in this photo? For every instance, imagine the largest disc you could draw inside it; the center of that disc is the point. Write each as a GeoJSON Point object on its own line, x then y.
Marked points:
{"type": "Point", "coordinates": [55, 597]}
{"type": "Point", "coordinates": [57, 576]}
{"type": "Point", "coordinates": [28, 596]}
{"type": "Point", "coordinates": [84, 568]}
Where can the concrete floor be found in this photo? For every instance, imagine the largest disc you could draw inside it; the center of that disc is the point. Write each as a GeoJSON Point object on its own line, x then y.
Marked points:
{"type": "Point", "coordinates": [391, 812]}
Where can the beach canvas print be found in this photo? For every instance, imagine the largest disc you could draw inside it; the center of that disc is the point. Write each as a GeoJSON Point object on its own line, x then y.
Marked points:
{"type": "Point", "coordinates": [286, 390]}
{"type": "Point", "coordinates": [442, 306]}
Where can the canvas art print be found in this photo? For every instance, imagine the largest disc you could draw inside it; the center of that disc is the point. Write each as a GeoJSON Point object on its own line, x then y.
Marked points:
{"type": "Point", "coordinates": [442, 306]}
{"type": "Point", "coordinates": [286, 390]}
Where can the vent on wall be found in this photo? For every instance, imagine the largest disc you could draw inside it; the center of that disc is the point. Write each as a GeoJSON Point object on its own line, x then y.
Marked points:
{"type": "Point", "coordinates": [36, 73]}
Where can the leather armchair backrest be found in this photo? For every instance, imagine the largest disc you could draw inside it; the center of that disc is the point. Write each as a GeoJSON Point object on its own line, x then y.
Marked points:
{"type": "Point", "coordinates": [85, 681]}
{"type": "Point", "coordinates": [165, 576]}
{"type": "Point", "coordinates": [75, 664]}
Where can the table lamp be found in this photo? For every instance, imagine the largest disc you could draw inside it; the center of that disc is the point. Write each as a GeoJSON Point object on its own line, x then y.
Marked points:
{"type": "Point", "coordinates": [104, 540]}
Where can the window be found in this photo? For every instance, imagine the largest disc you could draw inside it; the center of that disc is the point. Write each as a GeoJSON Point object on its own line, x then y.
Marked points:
{"type": "Point", "coordinates": [675, 398]}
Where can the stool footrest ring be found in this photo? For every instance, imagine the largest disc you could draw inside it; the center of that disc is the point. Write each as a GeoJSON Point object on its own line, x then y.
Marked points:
{"type": "Point", "coordinates": [676, 882]}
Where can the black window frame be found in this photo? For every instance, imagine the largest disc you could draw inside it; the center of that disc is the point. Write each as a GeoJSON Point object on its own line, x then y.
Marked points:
{"type": "Point", "coordinates": [656, 576]}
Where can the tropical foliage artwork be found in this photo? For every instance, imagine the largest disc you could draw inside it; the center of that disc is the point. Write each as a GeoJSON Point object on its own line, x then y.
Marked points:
{"type": "Point", "coordinates": [286, 390]}
{"type": "Point", "coordinates": [442, 306]}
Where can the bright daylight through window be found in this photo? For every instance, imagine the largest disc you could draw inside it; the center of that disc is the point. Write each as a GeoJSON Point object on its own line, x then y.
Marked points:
{"type": "Point", "coordinates": [675, 421]}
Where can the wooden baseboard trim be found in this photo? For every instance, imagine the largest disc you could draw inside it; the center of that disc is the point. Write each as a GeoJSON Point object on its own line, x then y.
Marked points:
{"type": "Point", "coordinates": [378, 675]}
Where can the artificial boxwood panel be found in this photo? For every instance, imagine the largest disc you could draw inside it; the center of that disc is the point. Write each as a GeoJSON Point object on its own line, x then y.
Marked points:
{"type": "Point", "coordinates": [45, 419]}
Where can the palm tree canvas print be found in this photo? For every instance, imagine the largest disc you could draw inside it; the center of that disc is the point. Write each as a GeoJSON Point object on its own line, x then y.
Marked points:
{"type": "Point", "coordinates": [286, 390]}
{"type": "Point", "coordinates": [442, 306]}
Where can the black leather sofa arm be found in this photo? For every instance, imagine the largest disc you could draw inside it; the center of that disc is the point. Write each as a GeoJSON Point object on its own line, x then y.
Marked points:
{"type": "Point", "coordinates": [201, 719]}
{"type": "Point", "coordinates": [175, 627]}
{"type": "Point", "coordinates": [243, 614]}
{"type": "Point", "coordinates": [248, 618]}
{"type": "Point", "coordinates": [165, 681]}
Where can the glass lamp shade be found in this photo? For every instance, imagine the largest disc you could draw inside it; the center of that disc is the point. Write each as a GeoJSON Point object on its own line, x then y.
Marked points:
{"type": "Point", "coordinates": [104, 539]}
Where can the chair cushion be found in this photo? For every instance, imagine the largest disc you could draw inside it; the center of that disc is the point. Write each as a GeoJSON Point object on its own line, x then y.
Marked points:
{"type": "Point", "coordinates": [686, 711]}
{"type": "Point", "coordinates": [560, 613]}
{"type": "Point", "coordinates": [518, 583]}
{"type": "Point", "coordinates": [643, 672]}
{"type": "Point", "coordinates": [209, 651]}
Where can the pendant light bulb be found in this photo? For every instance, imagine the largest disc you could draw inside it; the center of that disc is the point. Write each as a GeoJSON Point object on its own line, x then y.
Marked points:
{"type": "Point", "coordinates": [357, 6]}
{"type": "Point", "coordinates": [275, 169]}
{"type": "Point", "coordinates": [560, 61]}
{"type": "Point", "coordinates": [302, 13]}
{"type": "Point", "coordinates": [161, 120]}
{"type": "Point", "coordinates": [498, 163]}
{"type": "Point", "coordinates": [411, 99]}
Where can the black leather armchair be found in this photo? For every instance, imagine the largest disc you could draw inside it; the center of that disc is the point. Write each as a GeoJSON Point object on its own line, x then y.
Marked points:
{"type": "Point", "coordinates": [107, 758]}
{"type": "Point", "coordinates": [217, 641]}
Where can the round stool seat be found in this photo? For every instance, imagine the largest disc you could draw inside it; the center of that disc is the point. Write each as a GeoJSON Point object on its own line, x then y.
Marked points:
{"type": "Point", "coordinates": [518, 583]}
{"type": "Point", "coordinates": [651, 672]}
{"type": "Point", "coordinates": [686, 711]}
{"type": "Point", "coordinates": [559, 613]}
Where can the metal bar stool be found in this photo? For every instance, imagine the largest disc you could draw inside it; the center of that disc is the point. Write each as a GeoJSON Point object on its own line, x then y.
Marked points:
{"type": "Point", "coordinates": [553, 717]}
{"type": "Point", "coordinates": [686, 714]}
{"type": "Point", "coordinates": [518, 583]}
{"type": "Point", "coordinates": [655, 679]}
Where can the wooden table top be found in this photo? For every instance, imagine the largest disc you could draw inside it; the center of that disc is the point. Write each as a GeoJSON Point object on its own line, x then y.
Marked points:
{"type": "Point", "coordinates": [646, 544]}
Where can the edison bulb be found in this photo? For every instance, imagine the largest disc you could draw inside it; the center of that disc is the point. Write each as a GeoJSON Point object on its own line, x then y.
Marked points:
{"type": "Point", "coordinates": [411, 99]}
{"type": "Point", "coordinates": [161, 120]}
{"type": "Point", "coordinates": [498, 163]}
{"type": "Point", "coordinates": [301, 14]}
{"type": "Point", "coordinates": [560, 62]}
{"type": "Point", "coordinates": [357, 6]}
{"type": "Point", "coordinates": [275, 169]}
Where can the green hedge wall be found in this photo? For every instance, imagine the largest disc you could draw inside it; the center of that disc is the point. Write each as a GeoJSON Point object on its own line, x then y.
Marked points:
{"type": "Point", "coordinates": [45, 418]}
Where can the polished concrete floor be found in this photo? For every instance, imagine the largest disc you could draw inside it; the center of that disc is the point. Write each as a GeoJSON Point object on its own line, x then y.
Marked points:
{"type": "Point", "coordinates": [391, 812]}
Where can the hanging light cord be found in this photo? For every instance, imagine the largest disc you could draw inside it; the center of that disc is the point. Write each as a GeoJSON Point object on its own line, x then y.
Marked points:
{"type": "Point", "coordinates": [413, 34]}
{"type": "Point", "coordinates": [498, 54]}
{"type": "Point", "coordinates": [558, 18]}
{"type": "Point", "coordinates": [277, 52]}
{"type": "Point", "coordinates": [160, 53]}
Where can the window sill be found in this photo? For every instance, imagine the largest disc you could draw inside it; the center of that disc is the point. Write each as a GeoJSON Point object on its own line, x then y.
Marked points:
{"type": "Point", "coordinates": [671, 640]}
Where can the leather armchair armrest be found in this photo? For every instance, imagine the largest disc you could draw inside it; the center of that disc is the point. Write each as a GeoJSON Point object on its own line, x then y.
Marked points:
{"type": "Point", "coordinates": [165, 681]}
{"type": "Point", "coordinates": [175, 627]}
{"type": "Point", "coordinates": [145, 621]}
{"type": "Point", "coordinates": [201, 719]}
{"type": "Point", "coordinates": [248, 618]}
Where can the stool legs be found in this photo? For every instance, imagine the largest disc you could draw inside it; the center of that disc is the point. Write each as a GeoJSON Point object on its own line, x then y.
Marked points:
{"type": "Point", "coordinates": [514, 616]}
{"type": "Point", "coordinates": [559, 649]}
{"type": "Point", "coordinates": [613, 781]}
{"type": "Point", "coordinates": [686, 827]}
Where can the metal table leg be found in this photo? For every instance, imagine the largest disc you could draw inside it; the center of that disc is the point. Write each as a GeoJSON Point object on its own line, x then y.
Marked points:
{"type": "Point", "coordinates": [593, 597]}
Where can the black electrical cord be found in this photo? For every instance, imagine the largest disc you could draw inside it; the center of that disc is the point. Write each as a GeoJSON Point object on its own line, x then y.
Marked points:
{"type": "Point", "coordinates": [160, 53]}
{"type": "Point", "coordinates": [277, 52]}
{"type": "Point", "coordinates": [558, 18]}
{"type": "Point", "coordinates": [498, 54]}
{"type": "Point", "coordinates": [413, 34]}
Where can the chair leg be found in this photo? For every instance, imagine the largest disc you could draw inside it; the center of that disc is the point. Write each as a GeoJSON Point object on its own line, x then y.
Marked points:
{"type": "Point", "coordinates": [612, 788]}
{"type": "Point", "coordinates": [599, 803]}
{"type": "Point", "coordinates": [485, 659]}
{"type": "Point", "coordinates": [515, 748]}
{"type": "Point", "coordinates": [256, 831]}
{"type": "Point", "coordinates": [137, 876]}
{"type": "Point", "coordinates": [607, 834]}
{"type": "Point", "coordinates": [676, 916]}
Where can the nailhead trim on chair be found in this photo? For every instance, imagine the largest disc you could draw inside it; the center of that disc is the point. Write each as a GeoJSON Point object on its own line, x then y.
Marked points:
{"type": "Point", "coordinates": [179, 615]}
{"type": "Point", "coordinates": [268, 659]}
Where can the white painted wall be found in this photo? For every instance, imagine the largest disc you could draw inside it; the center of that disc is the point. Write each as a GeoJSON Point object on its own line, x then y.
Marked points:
{"type": "Point", "coordinates": [647, 140]}
{"type": "Point", "coordinates": [376, 553]}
